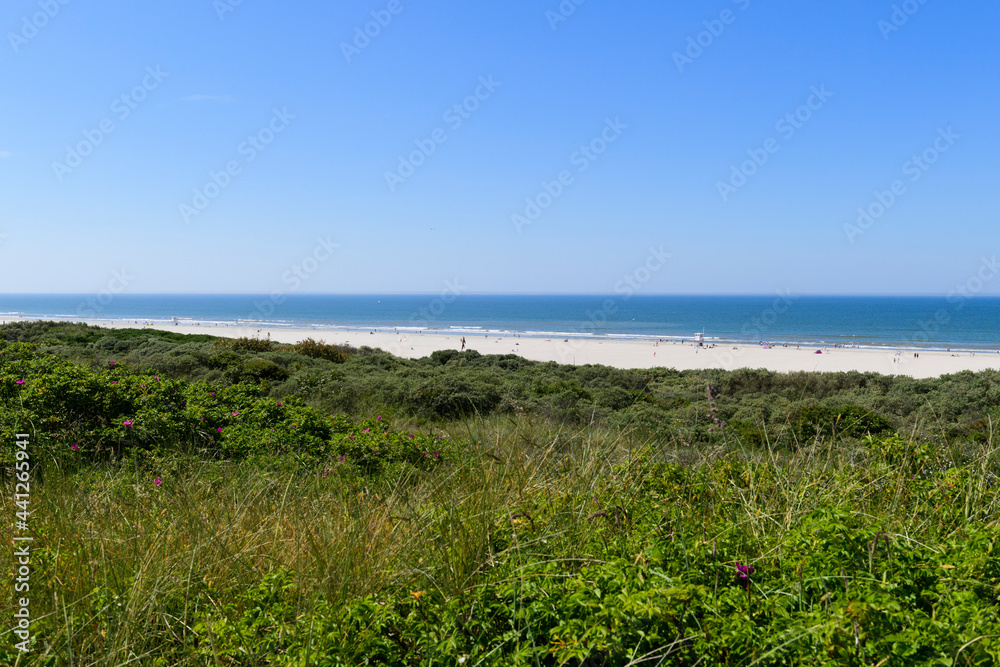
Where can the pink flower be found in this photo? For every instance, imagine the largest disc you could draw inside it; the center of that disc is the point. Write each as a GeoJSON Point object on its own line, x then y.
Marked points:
{"type": "Point", "coordinates": [75, 447]}
{"type": "Point", "coordinates": [213, 393]}
{"type": "Point", "coordinates": [158, 481]}
{"type": "Point", "coordinates": [280, 404]}
{"type": "Point", "coordinates": [111, 363]}
{"type": "Point", "coordinates": [20, 382]}
{"type": "Point", "coordinates": [128, 423]}
{"type": "Point", "coordinates": [236, 413]}
{"type": "Point", "coordinates": [366, 430]}
{"type": "Point", "coordinates": [351, 437]}
{"type": "Point", "coordinates": [341, 457]}
{"type": "Point", "coordinates": [379, 418]}
{"type": "Point", "coordinates": [218, 430]}
{"type": "Point", "coordinates": [203, 419]}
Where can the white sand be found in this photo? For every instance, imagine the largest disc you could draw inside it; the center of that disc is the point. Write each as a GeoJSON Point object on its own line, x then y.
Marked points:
{"type": "Point", "coordinates": [620, 353]}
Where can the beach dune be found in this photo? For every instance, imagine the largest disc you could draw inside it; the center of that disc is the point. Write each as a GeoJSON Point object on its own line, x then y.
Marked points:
{"type": "Point", "coordinates": [619, 353]}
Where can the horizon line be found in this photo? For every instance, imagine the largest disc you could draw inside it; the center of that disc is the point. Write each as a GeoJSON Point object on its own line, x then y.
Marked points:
{"type": "Point", "coordinates": [589, 294]}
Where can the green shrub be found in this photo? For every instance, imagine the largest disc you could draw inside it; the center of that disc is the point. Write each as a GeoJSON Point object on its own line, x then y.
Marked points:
{"type": "Point", "coordinates": [947, 409]}
{"type": "Point", "coordinates": [338, 354]}
{"type": "Point", "coordinates": [747, 433]}
{"type": "Point", "coordinates": [450, 397]}
{"type": "Point", "coordinates": [256, 370]}
{"type": "Point", "coordinates": [244, 344]}
{"type": "Point", "coordinates": [850, 421]}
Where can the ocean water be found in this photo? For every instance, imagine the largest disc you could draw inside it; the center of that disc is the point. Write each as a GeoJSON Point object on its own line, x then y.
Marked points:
{"type": "Point", "coordinates": [898, 322]}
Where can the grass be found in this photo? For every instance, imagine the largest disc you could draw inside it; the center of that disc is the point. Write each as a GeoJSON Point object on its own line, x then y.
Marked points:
{"type": "Point", "coordinates": [181, 522]}
{"type": "Point", "coordinates": [131, 573]}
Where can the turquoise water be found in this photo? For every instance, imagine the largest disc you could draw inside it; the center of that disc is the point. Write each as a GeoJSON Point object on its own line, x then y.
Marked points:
{"type": "Point", "coordinates": [925, 322]}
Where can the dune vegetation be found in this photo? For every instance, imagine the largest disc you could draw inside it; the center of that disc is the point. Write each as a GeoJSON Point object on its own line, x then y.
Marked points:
{"type": "Point", "coordinates": [206, 501]}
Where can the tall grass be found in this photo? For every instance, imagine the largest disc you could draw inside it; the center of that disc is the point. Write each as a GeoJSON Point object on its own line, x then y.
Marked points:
{"type": "Point", "coordinates": [125, 570]}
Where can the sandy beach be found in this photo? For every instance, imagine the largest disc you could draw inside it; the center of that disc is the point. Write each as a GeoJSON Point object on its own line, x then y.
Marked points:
{"type": "Point", "coordinates": [619, 353]}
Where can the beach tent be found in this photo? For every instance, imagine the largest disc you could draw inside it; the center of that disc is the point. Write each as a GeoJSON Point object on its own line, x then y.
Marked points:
{"type": "Point", "coordinates": [818, 352]}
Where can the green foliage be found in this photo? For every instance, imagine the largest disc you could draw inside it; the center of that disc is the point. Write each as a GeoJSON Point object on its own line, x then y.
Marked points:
{"type": "Point", "coordinates": [70, 333]}
{"type": "Point", "coordinates": [338, 354]}
{"type": "Point", "coordinates": [255, 370]}
{"type": "Point", "coordinates": [243, 344]}
{"type": "Point", "coordinates": [454, 397]}
{"type": "Point", "coordinates": [372, 445]}
{"type": "Point", "coordinates": [110, 412]}
{"type": "Point", "coordinates": [780, 409]}
{"type": "Point", "coordinates": [850, 421]}
{"type": "Point", "coordinates": [747, 433]}
{"type": "Point", "coordinates": [513, 513]}
{"type": "Point", "coordinates": [831, 589]}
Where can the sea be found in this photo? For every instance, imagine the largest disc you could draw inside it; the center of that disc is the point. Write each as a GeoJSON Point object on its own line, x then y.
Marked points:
{"type": "Point", "coordinates": [955, 323]}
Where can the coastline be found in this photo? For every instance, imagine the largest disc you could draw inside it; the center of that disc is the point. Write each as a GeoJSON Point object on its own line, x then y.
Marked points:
{"type": "Point", "coordinates": [611, 352]}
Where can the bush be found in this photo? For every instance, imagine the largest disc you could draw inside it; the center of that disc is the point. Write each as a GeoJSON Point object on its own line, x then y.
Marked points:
{"type": "Point", "coordinates": [850, 421]}
{"type": "Point", "coordinates": [747, 433]}
{"type": "Point", "coordinates": [372, 445]}
{"type": "Point", "coordinates": [452, 397]}
{"type": "Point", "coordinates": [244, 344]}
{"type": "Point", "coordinates": [946, 409]}
{"type": "Point", "coordinates": [338, 354]}
{"type": "Point", "coordinates": [256, 370]}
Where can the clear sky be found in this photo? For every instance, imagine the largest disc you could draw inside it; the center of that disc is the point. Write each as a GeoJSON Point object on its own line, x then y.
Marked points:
{"type": "Point", "coordinates": [642, 109]}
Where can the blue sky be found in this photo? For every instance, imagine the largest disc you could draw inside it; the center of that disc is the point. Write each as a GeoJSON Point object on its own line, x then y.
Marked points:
{"type": "Point", "coordinates": [211, 84]}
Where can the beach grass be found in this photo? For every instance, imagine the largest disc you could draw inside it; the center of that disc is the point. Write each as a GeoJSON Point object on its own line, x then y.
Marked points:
{"type": "Point", "coordinates": [131, 572]}
{"type": "Point", "coordinates": [203, 522]}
